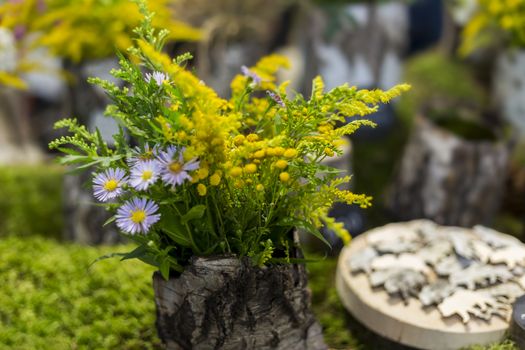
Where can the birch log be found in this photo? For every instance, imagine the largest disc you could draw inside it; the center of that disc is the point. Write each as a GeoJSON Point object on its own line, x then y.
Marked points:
{"type": "Point", "coordinates": [226, 303]}
{"type": "Point", "coordinates": [448, 179]}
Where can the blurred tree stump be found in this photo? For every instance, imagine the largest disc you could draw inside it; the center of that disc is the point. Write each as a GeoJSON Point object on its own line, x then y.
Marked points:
{"type": "Point", "coordinates": [83, 219]}
{"type": "Point", "coordinates": [17, 143]}
{"type": "Point", "coordinates": [226, 303]}
{"type": "Point", "coordinates": [359, 43]}
{"type": "Point", "coordinates": [448, 179]}
{"type": "Point", "coordinates": [237, 32]}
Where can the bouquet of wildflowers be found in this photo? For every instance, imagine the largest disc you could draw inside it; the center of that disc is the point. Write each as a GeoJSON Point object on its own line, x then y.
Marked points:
{"type": "Point", "coordinates": [191, 173]}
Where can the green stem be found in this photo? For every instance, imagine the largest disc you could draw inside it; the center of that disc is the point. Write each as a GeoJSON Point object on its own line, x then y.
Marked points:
{"type": "Point", "coordinates": [194, 245]}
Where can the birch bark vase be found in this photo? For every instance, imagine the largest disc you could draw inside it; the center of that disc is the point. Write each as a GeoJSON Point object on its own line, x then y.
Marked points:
{"type": "Point", "coordinates": [448, 179]}
{"type": "Point", "coordinates": [509, 88]}
{"type": "Point", "coordinates": [226, 303]}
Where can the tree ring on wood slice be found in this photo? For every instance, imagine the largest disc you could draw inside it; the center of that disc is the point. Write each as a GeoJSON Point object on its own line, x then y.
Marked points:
{"type": "Point", "coordinates": [468, 302]}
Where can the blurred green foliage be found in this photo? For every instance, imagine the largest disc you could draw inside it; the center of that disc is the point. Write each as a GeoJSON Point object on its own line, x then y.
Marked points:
{"type": "Point", "coordinates": [31, 200]}
{"type": "Point", "coordinates": [442, 88]}
{"type": "Point", "coordinates": [50, 299]}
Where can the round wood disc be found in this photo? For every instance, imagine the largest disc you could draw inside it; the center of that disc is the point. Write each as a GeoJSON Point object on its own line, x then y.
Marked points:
{"type": "Point", "coordinates": [409, 324]}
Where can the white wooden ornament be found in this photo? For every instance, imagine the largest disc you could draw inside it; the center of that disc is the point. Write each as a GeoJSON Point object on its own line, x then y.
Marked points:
{"type": "Point", "coordinates": [512, 256]}
{"type": "Point", "coordinates": [464, 302]}
{"type": "Point", "coordinates": [404, 309]}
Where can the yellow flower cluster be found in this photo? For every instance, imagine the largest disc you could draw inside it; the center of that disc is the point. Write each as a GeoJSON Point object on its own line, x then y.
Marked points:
{"type": "Point", "coordinates": [88, 29]}
{"type": "Point", "coordinates": [495, 21]}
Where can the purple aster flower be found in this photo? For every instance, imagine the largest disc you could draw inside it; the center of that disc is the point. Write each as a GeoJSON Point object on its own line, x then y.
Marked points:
{"type": "Point", "coordinates": [251, 74]}
{"type": "Point", "coordinates": [144, 174]}
{"type": "Point", "coordinates": [173, 170]}
{"type": "Point", "coordinates": [276, 98]}
{"type": "Point", "coordinates": [157, 76]}
{"type": "Point", "coordinates": [108, 185]}
{"type": "Point", "coordinates": [137, 215]}
{"type": "Point", "coordinates": [138, 155]}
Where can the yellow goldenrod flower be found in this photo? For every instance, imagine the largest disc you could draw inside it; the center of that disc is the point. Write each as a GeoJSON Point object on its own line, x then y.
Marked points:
{"type": "Point", "coordinates": [250, 168]}
{"type": "Point", "coordinates": [215, 179]}
{"type": "Point", "coordinates": [281, 164]}
{"type": "Point", "coordinates": [236, 171]}
{"type": "Point", "coordinates": [201, 189]}
{"type": "Point", "coordinates": [290, 153]}
{"type": "Point", "coordinates": [239, 184]}
{"type": "Point", "coordinates": [259, 154]}
{"type": "Point", "coordinates": [329, 152]}
{"type": "Point", "coordinates": [203, 173]}
{"type": "Point", "coordinates": [270, 152]}
{"type": "Point", "coordinates": [279, 151]}
{"type": "Point", "coordinates": [252, 137]}
{"type": "Point", "coordinates": [284, 176]}
{"type": "Point", "coordinates": [238, 140]}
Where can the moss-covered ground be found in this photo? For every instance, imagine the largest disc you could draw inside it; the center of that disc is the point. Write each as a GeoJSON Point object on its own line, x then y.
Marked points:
{"type": "Point", "coordinates": [51, 298]}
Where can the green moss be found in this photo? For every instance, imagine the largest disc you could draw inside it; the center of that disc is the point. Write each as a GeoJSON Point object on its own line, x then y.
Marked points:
{"type": "Point", "coordinates": [446, 91]}
{"type": "Point", "coordinates": [505, 345]}
{"type": "Point", "coordinates": [327, 307]}
{"type": "Point", "coordinates": [50, 299]}
{"type": "Point", "coordinates": [31, 200]}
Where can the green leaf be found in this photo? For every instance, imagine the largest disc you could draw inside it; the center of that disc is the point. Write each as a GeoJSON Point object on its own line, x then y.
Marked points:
{"type": "Point", "coordinates": [104, 257]}
{"type": "Point", "coordinates": [178, 236]}
{"type": "Point", "coordinates": [196, 212]}
{"type": "Point", "coordinates": [305, 225]}
{"type": "Point", "coordinates": [103, 147]}
{"type": "Point", "coordinates": [109, 221]}
{"type": "Point", "coordinates": [69, 151]}
{"type": "Point", "coordinates": [165, 269]}
{"type": "Point", "coordinates": [71, 159]}
{"type": "Point", "coordinates": [138, 252]}
{"type": "Point", "coordinates": [172, 226]}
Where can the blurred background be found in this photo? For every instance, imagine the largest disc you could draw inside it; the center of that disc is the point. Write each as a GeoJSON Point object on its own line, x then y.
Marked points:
{"type": "Point", "coordinates": [451, 150]}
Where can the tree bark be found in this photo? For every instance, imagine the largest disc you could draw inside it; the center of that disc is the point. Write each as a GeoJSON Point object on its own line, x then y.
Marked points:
{"type": "Point", "coordinates": [226, 303]}
{"type": "Point", "coordinates": [448, 179]}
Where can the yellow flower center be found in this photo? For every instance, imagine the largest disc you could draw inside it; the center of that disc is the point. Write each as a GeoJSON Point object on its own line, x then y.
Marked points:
{"type": "Point", "coordinates": [138, 216]}
{"type": "Point", "coordinates": [146, 155]}
{"type": "Point", "coordinates": [175, 167]}
{"type": "Point", "coordinates": [147, 174]}
{"type": "Point", "coordinates": [111, 185]}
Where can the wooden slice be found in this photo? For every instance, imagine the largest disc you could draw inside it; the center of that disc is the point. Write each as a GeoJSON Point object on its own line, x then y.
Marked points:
{"type": "Point", "coordinates": [408, 323]}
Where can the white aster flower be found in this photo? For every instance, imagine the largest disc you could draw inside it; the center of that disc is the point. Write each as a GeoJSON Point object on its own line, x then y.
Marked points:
{"type": "Point", "coordinates": [137, 215]}
{"type": "Point", "coordinates": [144, 174]}
{"type": "Point", "coordinates": [173, 169]}
{"type": "Point", "coordinates": [108, 185]}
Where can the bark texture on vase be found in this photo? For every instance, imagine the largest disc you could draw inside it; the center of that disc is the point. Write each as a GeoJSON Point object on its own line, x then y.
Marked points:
{"type": "Point", "coordinates": [448, 179]}
{"type": "Point", "coordinates": [226, 303]}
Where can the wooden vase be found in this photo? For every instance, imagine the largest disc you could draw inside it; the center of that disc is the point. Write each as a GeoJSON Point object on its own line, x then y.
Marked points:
{"type": "Point", "coordinates": [227, 303]}
{"type": "Point", "coordinates": [447, 178]}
